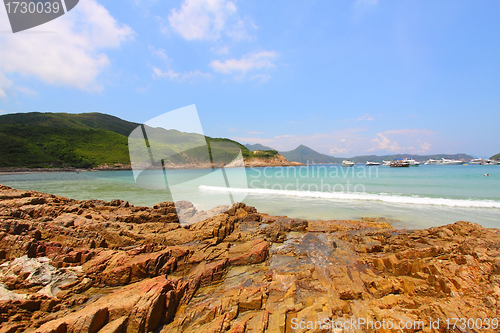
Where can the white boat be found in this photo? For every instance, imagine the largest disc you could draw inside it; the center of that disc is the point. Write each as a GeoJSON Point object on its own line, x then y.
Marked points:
{"type": "Point", "coordinates": [411, 161]}
{"type": "Point", "coordinates": [368, 163]}
{"type": "Point", "coordinates": [386, 163]}
{"type": "Point", "coordinates": [347, 163]}
{"type": "Point", "coordinates": [481, 161]}
{"type": "Point", "coordinates": [430, 161]}
{"type": "Point", "coordinates": [399, 164]}
{"type": "Point", "coordinates": [476, 161]}
{"type": "Point", "coordinates": [451, 162]}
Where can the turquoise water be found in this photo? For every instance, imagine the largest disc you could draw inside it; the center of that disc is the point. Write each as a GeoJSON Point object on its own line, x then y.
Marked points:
{"type": "Point", "coordinates": [417, 197]}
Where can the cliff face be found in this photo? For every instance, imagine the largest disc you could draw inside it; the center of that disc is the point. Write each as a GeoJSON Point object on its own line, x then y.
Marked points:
{"type": "Point", "coordinates": [95, 266]}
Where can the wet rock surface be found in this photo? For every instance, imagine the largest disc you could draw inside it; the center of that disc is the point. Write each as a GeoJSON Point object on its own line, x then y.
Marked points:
{"type": "Point", "coordinates": [95, 266]}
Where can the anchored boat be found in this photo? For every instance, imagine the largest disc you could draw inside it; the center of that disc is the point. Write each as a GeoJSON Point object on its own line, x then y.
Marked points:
{"type": "Point", "coordinates": [412, 162]}
{"type": "Point", "coordinates": [347, 163]}
{"type": "Point", "coordinates": [399, 164]}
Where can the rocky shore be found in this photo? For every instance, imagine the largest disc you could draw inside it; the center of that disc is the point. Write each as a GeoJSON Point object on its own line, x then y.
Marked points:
{"type": "Point", "coordinates": [278, 160]}
{"type": "Point", "coordinates": [95, 266]}
{"type": "Point", "coordinates": [252, 163]}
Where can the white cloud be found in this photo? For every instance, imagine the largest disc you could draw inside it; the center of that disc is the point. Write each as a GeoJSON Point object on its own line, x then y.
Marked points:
{"type": "Point", "coordinates": [426, 146]}
{"type": "Point", "coordinates": [365, 117]}
{"type": "Point", "coordinates": [170, 73]}
{"type": "Point", "coordinates": [2, 112]}
{"type": "Point", "coordinates": [238, 30]}
{"type": "Point", "coordinates": [25, 90]}
{"type": "Point", "coordinates": [220, 49]}
{"type": "Point", "coordinates": [4, 84]}
{"type": "Point", "coordinates": [259, 60]}
{"type": "Point", "coordinates": [383, 143]}
{"type": "Point", "coordinates": [406, 141]}
{"type": "Point", "coordinates": [160, 53]}
{"type": "Point", "coordinates": [320, 142]}
{"type": "Point", "coordinates": [176, 76]}
{"type": "Point", "coordinates": [255, 132]}
{"type": "Point", "coordinates": [351, 142]}
{"type": "Point", "coordinates": [208, 20]}
{"type": "Point", "coordinates": [339, 151]}
{"type": "Point", "coordinates": [284, 136]}
{"type": "Point", "coordinates": [70, 56]}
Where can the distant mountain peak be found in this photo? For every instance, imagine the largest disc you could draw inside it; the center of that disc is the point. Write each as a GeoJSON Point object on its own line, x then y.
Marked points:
{"type": "Point", "coordinates": [304, 154]}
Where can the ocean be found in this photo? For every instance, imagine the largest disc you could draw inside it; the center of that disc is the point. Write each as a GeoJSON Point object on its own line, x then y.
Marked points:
{"type": "Point", "coordinates": [415, 197]}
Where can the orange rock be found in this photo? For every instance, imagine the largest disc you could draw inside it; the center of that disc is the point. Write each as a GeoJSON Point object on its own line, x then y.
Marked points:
{"type": "Point", "coordinates": [143, 304]}
{"type": "Point", "coordinates": [253, 252]}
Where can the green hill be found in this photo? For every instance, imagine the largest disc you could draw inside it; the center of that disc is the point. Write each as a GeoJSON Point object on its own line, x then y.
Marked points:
{"type": "Point", "coordinates": [43, 146]}
{"type": "Point", "coordinates": [45, 140]}
{"type": "Point", "coordinates": [257, 146]}
{"type": "Point", "coordinates": [92, 120]}
{"type": "Point", "coordinates": [87, 140]}
{"type": "Point", "coordinates": [306, 155]}
{"type": "Point", "coordinates": [63, 140]}
{"type": "Point", "coordinates": [495, 157]}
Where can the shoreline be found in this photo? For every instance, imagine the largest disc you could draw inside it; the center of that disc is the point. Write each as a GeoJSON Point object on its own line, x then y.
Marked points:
{"type": "Point", "coordinates": [7, 171]}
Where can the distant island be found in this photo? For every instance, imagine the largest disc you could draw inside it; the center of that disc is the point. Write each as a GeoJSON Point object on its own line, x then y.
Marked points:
{"type": "Point", "coordinates": [307, 155]}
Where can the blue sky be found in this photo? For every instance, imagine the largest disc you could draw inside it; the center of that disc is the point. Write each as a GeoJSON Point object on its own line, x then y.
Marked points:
{"type": "Point", "coordinates": [343, 77]}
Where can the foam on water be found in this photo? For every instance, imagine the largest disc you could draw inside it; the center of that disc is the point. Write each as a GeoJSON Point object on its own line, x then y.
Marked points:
{"type": "Point", "coordinates": [415, 197]}
{"type": "Point", "coordinates": [362, 196]}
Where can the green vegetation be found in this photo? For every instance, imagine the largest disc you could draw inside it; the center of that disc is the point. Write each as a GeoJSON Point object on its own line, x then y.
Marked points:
{"type": "Point", "coordinates": [41, 146]}
{"type": "Point", "coordinates": [66, 120]}
{"type": "Point", "coordinates": [244, 150]}
{"type": "Point", "coordinates": [264, 154]}
{"type": "Point", "coordinates": [48, 140]}
{"type": "Point", "coordinates": [63, 140]}
{"type": "Point", "coordinates": [495, 157]}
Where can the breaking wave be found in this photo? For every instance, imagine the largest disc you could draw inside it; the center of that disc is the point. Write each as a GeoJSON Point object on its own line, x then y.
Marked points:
{"type": "Point", "coordinates": [389, 198]}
